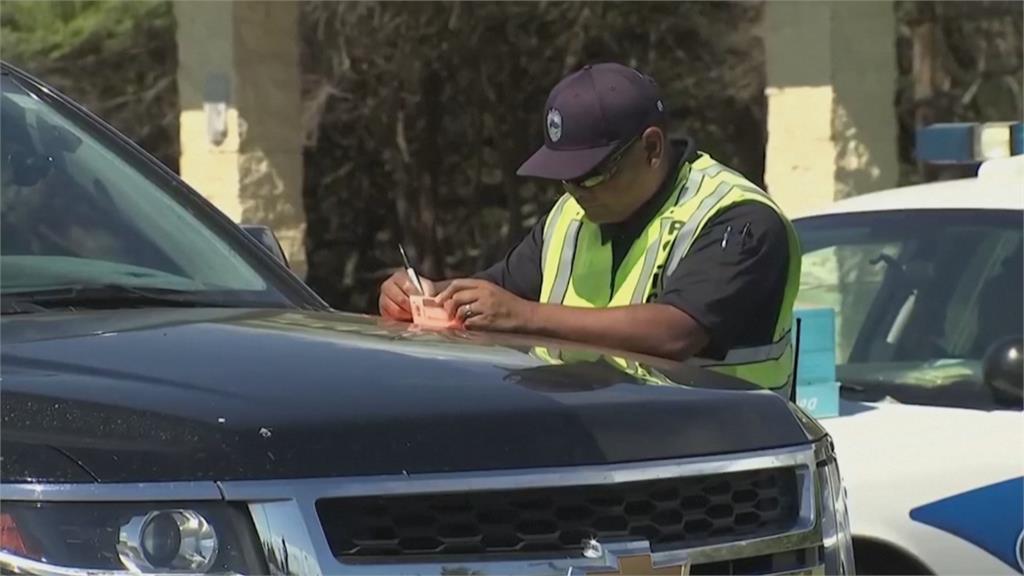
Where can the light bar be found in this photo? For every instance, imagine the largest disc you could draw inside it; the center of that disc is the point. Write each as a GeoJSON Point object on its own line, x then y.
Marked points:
{"type": "Point", "coordinates": [969, 143]}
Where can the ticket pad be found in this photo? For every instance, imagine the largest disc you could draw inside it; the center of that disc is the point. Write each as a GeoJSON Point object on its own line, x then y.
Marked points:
{"type": "Point", "coordinates": [426, 312]}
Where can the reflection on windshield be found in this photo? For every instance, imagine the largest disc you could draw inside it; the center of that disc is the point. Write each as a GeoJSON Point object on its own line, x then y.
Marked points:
{"type": "Point", "coordinates": [920, 296]}
{"type": "Point", "coordinates": [76, 213]}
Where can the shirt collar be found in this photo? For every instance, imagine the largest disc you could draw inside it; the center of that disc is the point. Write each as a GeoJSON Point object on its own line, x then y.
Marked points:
{"type": "Point", "coordinates": [685, 151]}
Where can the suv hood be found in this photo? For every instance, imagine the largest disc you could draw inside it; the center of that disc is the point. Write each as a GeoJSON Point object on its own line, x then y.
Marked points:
{"type": "Point", "coordinates": [204, 394]}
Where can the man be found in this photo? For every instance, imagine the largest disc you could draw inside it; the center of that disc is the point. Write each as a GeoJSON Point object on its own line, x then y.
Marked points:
{"type": "Point", "coordinates": [654, 248]}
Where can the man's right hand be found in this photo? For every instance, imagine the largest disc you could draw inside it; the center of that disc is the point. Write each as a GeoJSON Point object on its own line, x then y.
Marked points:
{"type": "Point", "coordinates": [394, 295]}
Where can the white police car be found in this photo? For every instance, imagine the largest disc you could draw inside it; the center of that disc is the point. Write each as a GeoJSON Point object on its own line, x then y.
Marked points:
{"type": "Point", "coordinates": [926, 285]}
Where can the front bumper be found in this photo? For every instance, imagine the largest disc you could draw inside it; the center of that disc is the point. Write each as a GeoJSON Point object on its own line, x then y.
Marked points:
{"type": "Point", "coordinates": [286, 522]}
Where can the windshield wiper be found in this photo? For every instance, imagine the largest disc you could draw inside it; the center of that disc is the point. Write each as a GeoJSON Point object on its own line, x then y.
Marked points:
{"type": "Point", "coordinates": [851, 387]}
{"type": "Point", "coordinates": [106, 296]}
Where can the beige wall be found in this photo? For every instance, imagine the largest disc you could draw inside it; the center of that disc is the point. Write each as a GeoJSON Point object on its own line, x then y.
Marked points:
{"type": "Point", "coordinates": [831, 73]}
{"type": "Point", "coordinates": [255, 174]}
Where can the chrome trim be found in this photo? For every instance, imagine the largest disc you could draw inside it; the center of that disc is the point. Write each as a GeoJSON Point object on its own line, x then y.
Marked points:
{"type": "Point", "coordinates": [306, 488]}
{"type": "Point", "coordinates": [613, 555]}
{"type": "Point", "coordinates": [284, 512]}
{"type": "Point", "coordinates": [824, 451]}
{"type": "Point", "coordinates": [288, 530]}
{"type": "Point", "coordinates": [286, 521]}
{"type": "Point", "coordinates": [120, 492]}
{"type": "Point", "coordinates": [816, 570]}
{"type": "Point", "coordinates": [19, 565]}
{"type": "Point", "coordinates": [301, 537]}
{"type": "Point", "coordinates": [194, 532]}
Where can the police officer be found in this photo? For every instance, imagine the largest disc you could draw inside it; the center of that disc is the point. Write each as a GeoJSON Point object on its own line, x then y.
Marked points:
{"type": "Point", "coordinates": [655, 247]}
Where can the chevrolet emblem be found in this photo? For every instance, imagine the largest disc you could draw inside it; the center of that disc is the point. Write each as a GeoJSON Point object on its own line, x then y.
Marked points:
{"type": "Point", "coordinates": [628, 559]}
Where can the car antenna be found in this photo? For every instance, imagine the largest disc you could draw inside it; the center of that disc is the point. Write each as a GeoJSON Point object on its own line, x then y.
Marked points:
{"type": "Point", "coordinates": [796, 363]}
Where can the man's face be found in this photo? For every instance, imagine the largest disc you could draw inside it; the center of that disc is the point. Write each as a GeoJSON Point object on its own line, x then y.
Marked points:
{"type": "Point", "coordinates": [618, 186]}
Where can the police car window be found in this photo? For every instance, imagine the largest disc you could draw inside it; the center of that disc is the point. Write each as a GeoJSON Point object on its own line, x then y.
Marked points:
{"type": "Point", "coordinates": [844, 276]}
{"type": "Point", "coordinates": [75, 212]}
{"type": "Point", "coordinates": [980, 309]}
{"type": "Point", "coordinates": [919, 296]}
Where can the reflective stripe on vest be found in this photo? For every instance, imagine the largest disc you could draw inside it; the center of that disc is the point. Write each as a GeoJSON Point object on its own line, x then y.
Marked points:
{"type": "Point", "coordinates": [771, 365]}
{"type": "Point", "coordinates": [631, 367]}
{"type": "Point", "coordinates": [576, 264]}
{"type": "Point", "coordinates": [752, 354]}
{"type": "Point", "coordinates": [650, 257]}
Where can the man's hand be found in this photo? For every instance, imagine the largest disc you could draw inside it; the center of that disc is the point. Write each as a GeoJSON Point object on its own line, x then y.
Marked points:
{"type": "Point", "coordinates": [484, 306]}
{"type": "Point", "coordinates": [394, 295]}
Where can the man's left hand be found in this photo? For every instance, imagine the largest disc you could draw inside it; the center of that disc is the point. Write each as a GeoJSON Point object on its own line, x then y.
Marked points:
{"type": "Point", "coordinates": [482, 305]}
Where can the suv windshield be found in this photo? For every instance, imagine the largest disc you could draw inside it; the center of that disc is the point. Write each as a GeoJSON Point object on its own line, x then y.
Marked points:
{"type": "Point", "coordinates": [919, 295]}
{"type": "Point", "coordinates": [80, 218]}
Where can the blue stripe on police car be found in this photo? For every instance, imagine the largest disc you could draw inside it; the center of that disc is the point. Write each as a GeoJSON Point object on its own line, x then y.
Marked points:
{"type": "Point", "coordinates": [988, 517]}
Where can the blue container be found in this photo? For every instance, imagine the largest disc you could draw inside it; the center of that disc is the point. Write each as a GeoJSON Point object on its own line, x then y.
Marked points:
{"type": "Point", "coordinates": [817, 390]}
{"type": "Point", "coordinates": [819, 400]}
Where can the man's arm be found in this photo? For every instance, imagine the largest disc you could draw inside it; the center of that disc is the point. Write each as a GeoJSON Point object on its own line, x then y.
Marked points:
{"type": "Point", "coordinates": [733, 279]}
{"type": "Point", "coordinates": [725, 293]}
{"type": "Point", "coordinates": [653, 329]}
{"type": "Point", "coordinates": [721, 295]}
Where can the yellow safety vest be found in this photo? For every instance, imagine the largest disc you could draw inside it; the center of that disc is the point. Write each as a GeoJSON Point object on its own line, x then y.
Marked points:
{"type": "Point", "coordinates": [640, 371]}
{"type": "Point", "coordinates": [577, 265]}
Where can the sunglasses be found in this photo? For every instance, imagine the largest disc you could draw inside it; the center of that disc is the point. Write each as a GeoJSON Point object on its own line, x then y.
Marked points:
{"type": "Point", "coordinates": [603, 173]}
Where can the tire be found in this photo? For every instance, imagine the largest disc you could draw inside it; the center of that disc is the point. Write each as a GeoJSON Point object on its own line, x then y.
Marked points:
{"type": "Point", "coordinates": [876, 557]}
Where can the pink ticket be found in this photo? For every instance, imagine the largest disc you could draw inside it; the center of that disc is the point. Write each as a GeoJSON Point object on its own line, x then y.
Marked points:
{"type": "Point", "coordinates": [428, 313]}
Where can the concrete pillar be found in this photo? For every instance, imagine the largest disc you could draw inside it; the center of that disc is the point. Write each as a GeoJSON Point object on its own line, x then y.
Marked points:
{"type": "Point", "coordinates": [241, 113]}
{"type": "Point", "coordinates": [831, 74]}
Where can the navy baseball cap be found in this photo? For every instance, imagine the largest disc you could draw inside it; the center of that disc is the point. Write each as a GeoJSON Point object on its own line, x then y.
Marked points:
{"type": "Point", "coordinates": [588, 115]}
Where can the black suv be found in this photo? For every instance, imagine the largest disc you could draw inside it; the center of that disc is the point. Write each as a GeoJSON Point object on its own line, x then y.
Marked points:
{"type": "Point", "coordinates": [174, 400]}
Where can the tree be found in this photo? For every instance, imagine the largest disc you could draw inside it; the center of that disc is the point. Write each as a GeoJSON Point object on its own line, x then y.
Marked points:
{"type": "Point", "coordinates": [420, 113]}
{"type": "Point", "coordinates": [119, 59]}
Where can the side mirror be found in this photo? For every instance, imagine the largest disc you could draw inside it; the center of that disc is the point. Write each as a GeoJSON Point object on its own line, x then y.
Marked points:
{"type": "Point", "coordinates": [266, 238]}
{"type": "Point", "coordinates": [1003, 371]}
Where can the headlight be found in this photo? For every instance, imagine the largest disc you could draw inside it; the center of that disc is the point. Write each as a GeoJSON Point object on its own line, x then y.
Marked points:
{"type": "Point", "coordinates": [140, 538]}
{"type": "Point", "coordinates": [835, 521]}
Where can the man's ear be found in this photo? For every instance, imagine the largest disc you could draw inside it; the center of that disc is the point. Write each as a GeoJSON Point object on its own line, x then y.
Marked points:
{"type": "Point", "coordinates": [654, 140]}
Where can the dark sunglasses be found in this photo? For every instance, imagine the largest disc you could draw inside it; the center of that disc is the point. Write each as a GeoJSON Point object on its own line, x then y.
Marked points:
{"type": "Point", "coordinates": [603, 173]}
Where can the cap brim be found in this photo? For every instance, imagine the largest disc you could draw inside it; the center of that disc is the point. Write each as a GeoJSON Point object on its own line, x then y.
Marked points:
{"type": "Point", "coordinates": [564, 164]}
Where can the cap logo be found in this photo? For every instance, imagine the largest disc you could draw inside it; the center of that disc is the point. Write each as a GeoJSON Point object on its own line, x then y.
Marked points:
{"type": "Point", "coordinates": [554, 125]}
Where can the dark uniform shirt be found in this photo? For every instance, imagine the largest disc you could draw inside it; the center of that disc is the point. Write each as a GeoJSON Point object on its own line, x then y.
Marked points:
{"type": "Point", "coordinates": [732, 280]}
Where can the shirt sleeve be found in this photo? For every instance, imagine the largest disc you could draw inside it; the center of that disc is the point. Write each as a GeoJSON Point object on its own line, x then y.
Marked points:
{"type": "Point", "coordinates": [733, 279]}
{"type": "Point", "coordinates": [520, 271]}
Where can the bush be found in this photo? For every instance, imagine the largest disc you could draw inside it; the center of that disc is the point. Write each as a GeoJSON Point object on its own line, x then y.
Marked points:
{"type": "Point", "coordinates": [419, 115]}
{"type": "Point", "coordinates": [119, 59]}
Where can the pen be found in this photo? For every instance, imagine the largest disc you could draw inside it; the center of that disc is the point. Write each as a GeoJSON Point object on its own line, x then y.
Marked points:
{"type": "Point", "coordinates": [411, 271]}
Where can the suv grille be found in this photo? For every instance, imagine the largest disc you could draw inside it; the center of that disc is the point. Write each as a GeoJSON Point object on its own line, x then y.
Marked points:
{"type": "Point", "coordinates": [672, 513]}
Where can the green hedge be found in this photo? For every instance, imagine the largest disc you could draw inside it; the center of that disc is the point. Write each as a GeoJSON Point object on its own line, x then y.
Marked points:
{"type": "Point", "coordinates": [119, 59]}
